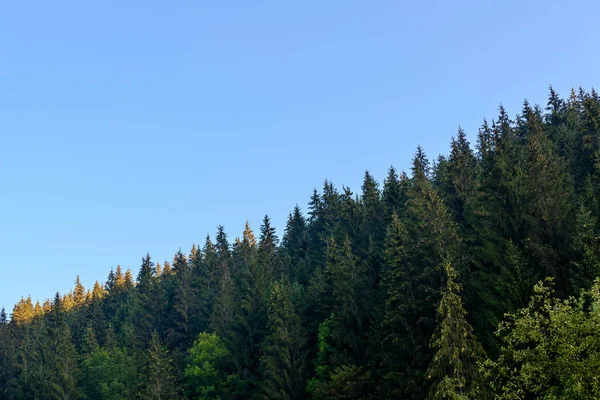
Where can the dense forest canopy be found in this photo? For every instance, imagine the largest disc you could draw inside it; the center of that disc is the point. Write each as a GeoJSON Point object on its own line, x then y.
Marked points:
{"type": "Point", "coordinates": [471, 276]}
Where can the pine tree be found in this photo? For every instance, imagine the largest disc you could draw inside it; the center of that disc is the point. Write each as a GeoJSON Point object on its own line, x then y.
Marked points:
{"type": "Point", "coordinates": [79, 295]}
{"type": "Point", "coordinates": [283, 360]}
{"type": "Point", "coordinates": [248, 324]}
{"type": "Point", "coordinates": [414, 278]}
{"type": "Point", "coordinates": [206, 284]}
{"type": "Point", "coordinates": [463, 190]}
{"type": "Point", "coordinates": [159, 379]}
{"type": "Point", "coordinates": [295, 243]}
{"type": "Point", "coordinates": [351, 303]}
{"type": "Point", "coordinates": [66, 369]}
{"type": "Point", "coordinates": [110, 343]}
{"type": "Point", "coordinates": [144, 278]}
{"type": "Point", "coordinates": [545, 200]}
{"type": "Point", "coordinates": [394, 194]}
{"type": "Point", "coordinates": [22, 311]}
{"type": "Point", "coordinates": [267, 246]}
{"type": "Point", "coordinates": [180, 334]}
{"type": "Point", "coordinates": [373, 225]}
{"type": "Point", "coordinates": [453, 369]}
{"type": "Point", "coordinates": [146, 307]}
{"type": "Point", "coordinates": [7, 352]}
{"type": "Point", "coordinates": [90, 344]}
{"type": "Point", "coordinates": [587, 244]}
{"type": "Point", "coordinates": [224, 307]}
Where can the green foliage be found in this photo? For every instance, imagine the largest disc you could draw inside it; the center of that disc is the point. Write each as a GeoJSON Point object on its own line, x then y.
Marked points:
{"type": "Point", "coordinates": [210, 372]}
{"type": "Point", "coordinates": [110, 374]}
{"type": "Point", "coordinates": [359, 301]}
{"type": "Point", "coordinates": [283, 361]}
{"type": "Point", "coordinates": [550, 349]}
{"type": "Point", "coordinates": [453, 369]}
{"type": "Point", "coordinates": [159, 381]}
{"type": "Point", "coordinates": [348, 382]}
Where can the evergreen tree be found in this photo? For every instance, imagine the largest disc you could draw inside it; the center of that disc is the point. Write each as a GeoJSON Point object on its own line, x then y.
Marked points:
{"type": "Point", "coordinates": [295, 242]}
{"type": "Point", "coordinates": [180, 334]}
{"type": "Point", "coordinates": [453, 369]}
{"type": "Point", "coordinates": [159, 379]}
{"type": "Point", "coordinates": [415, 276]}
{"type": "Point", "coordinates": [351, 303]}
{"type": "Point", "coordinates": [266, 248]}
{"type": "Point", "coordinates": [283, 360]}
{"type": "Point", "coordinates": [79, 294]}
{"type": "Point", "coordinates": [66, 369]}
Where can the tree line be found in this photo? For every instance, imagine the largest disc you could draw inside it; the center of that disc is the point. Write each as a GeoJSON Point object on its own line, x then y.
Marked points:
{"type": "Point", "coordinates": [472, 277]}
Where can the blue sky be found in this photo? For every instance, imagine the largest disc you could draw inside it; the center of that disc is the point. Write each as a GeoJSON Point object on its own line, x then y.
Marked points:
{"type": "Point", "coordinates": [137, 126]}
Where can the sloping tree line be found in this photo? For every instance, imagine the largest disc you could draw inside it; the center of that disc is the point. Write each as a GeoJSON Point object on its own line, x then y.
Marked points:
{"type": "Point", "coordinates": [472, 277]}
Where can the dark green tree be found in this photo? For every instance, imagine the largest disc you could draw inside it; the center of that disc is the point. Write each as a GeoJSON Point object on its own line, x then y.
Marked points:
{"type": "Point", "coordinates": [454, 368]}
{"type": "Point", "coordinates": [283, 360]}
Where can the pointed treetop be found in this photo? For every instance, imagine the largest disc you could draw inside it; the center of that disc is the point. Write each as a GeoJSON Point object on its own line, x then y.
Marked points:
{"type": "Point", "coordinates": [119, 278]}
{"type": "Point", "coordinates": [268, 238]}
{"type": "Point", "coordinates": [420, 168]}
{"type": "Point", "coordinates": [314, 206]}
{"type": "Point", "coordinates": [180, 263]}
{"type": "Point", "coordinates": [222, 244]}
{"type": "Point", "coordinates": [454, 368]}
{"type": "Point", "coordinates": [128, 279]}
{"type": "Point", "coordinates": [555, 103]}
{"type": "Point", "coordinates": [97, 292]}
{"type": "Point", "coordinates": [79, 292]}
{"type": "Point", "coordinates": [195, 257]}
{"type": "Point", "coordinates": [248, 239]}
{"type": "Point", "coordinates": [370, 189]}
{"type": "Point", "coordinates": [167, 270]}
{"type": "Point", "coordinates": [110, 281]}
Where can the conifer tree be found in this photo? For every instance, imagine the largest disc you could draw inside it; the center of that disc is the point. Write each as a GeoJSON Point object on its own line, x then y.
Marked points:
{"type": "Point", "coordinates": [453, 369]}
{"type": "Point", "coordinates": [159, 379]}
{"type": "Point", "coordinates": [65, 364]}
{"type": "Point", "coordinates": [415, 277]}
{"type": "Point", "coordinates": [394, 194]}
{"type": "Point", "coordinates": [266, 248]}
{"type": "Point", "coordinates": [546, 208]}
{"type": "Point", "coordinates": [224, 307]}
{"type": "Point", "coordinates": [79, 295]}
{"type": "Point", "coordinates": [351, 303]}
{"type": "Point", "coordinates": [283, 361]}
{"type": "Point", "coordinates": [90, 344]}
{"type": "Point", "coordinates": [373, 225]}
{"type": "Point", "coordinates": [295, 242]}
{"type": "Point", "coordinates": [180, 334]}
{"type": "Point", "coordinates": [22, 311]}
{"type": "Point", "coordinates": [587, 244]}
{"type": "Point", "coordinates": [206, 284]}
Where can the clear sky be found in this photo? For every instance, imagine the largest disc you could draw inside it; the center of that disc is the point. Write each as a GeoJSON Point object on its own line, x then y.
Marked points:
{"type": "Point", "coordinates": [134, 126]}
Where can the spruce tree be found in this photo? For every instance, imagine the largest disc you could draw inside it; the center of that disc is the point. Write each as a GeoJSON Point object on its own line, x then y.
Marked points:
{"type": "Point", "coordinates": [453, 369]}
{"type": "Point", "coordinates": [79, 295]}
{"type": "Point", "coordinates": [180, 333]}
{"type": "Point", "coordinates": [159, 379]}
{"type": "Point", "coordinates": [351, 303]}
{"type": "Point", "coordinates": [283, 360]}
{"type": "Point", "coordinates": [295, 243]}
{"type": "Point", "coordinates": [416, 250]}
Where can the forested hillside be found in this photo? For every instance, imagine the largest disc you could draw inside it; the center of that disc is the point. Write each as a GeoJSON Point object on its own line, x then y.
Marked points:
{"type": "Point", "coordinates": [472, 276]}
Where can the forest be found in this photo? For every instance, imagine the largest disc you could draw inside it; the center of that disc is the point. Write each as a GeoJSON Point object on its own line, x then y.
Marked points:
{"type": "Point", "coordinates": [471, 276]}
